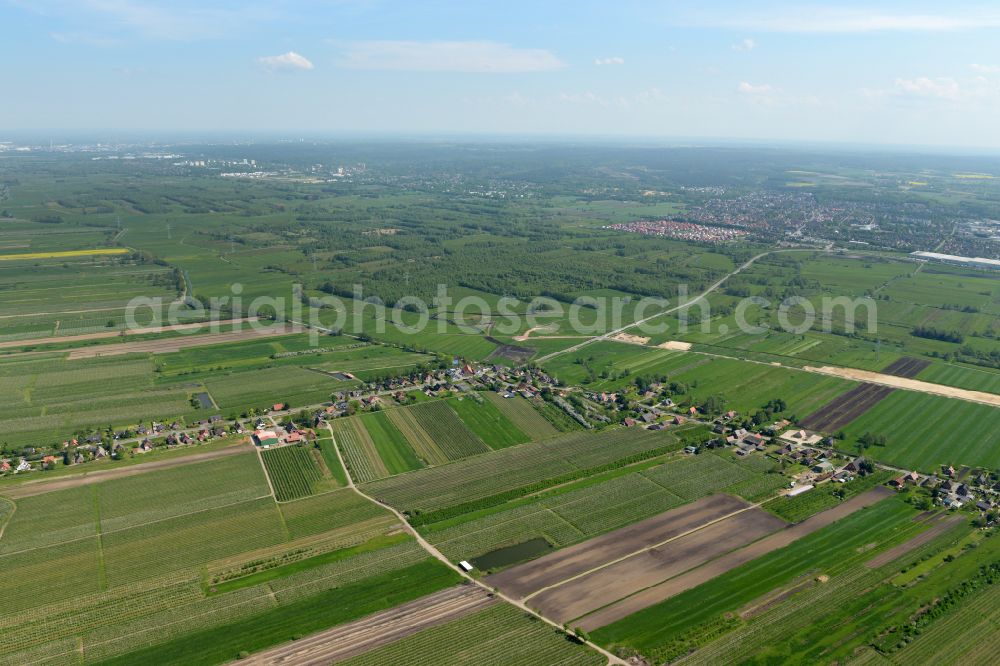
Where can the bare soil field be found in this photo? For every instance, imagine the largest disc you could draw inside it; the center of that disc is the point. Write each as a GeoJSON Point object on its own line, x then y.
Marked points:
{"type": "Point", "coordinates": [601, 587]}
{"type": "Point", "coordinates": [848, 406]}
{"type": "Point", "coordinates": [366, 634]}
{"type": "Point", "coordinates": [522, 580]}
{"type": "Point", "coordinates": [511, 352]}
{"type": "Point", "coordinates": [674, 586]}
{"type": "Point", "coordinates": [908, 384]}
{"type": "Point", "coordinates": [175, 344]}
{"type": "Point", "coordinates": [907, 366]}
{"type": "Point", "coordinates": [941, 524]}
{"type": "Point", "coordinates": [29, 488]}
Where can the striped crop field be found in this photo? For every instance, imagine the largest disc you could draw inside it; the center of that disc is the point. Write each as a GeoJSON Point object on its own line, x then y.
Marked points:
{"type": "Point", "coordinates": [293, 472]}
{"type": "Point", "coordinates": [423, 444]}
{"type": "Point", "coordinates": [360, 455]}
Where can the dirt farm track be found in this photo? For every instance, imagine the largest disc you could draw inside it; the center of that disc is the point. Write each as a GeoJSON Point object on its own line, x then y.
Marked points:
{"type": "Point", "coordinates": [366, 634]}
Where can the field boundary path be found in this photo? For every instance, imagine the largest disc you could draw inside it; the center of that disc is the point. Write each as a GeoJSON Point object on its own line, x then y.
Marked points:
{"type": "Point", "coordinates": [434, 552]}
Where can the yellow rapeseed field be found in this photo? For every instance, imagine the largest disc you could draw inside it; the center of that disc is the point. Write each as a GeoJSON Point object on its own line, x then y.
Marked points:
{"type": "Point", "coordinates": [66, 253]}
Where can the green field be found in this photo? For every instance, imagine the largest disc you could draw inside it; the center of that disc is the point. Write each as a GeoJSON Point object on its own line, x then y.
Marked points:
{"type": "Point", "coordinates": [396, 453]}
{"type": "Point", "coordinates": [328, 452]}
{"type": "Point", "coordinates": [523, 415]}
{"type": "Point", "coordinates": [925, 431]}
{"type": "Point", "coordinates": [489, 423]}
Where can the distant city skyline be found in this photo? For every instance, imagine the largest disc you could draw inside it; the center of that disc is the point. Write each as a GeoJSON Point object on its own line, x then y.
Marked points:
{"type": "Point", "coordinates": [887, 72]}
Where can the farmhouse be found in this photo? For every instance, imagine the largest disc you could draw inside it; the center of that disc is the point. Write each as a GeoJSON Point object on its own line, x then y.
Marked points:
{"type": "Point", "coordinates": [266, 438]}
{"type": "Point", "coordinates": [855, 465]}
{"type": "Point", "coordinates": [822, 467]}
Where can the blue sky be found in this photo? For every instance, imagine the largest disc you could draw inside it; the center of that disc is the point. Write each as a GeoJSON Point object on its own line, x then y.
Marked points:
{"type": "Point", "coordinates": [878, 72]}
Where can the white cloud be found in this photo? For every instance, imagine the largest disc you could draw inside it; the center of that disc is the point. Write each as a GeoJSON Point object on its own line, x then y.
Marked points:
{"type": "Point", "coordinates": [745, 45]}
{"type": "Point", "coordinates": [615, 60]}
{"type": "Point", "coordinates": [649, 96]}
{"type": "Point", "coordinates": [477, 56]}
{"type": "Point", "coordinates": [750, 89]}
{"type": "Point", "coordinates": [941, 88]}
{"type": "Point", "coordinates": [985, 69]}
{"type": "Point", "coordinates": [286, 61]}
{"type": "Point", "coordinates": [817, 19]}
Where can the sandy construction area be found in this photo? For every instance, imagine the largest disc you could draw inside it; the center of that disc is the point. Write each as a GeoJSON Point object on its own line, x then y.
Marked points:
{"type": "Point", "coordinates": [674, 586]}
{"type": "Point", "coordinates": [29, 488]}
{"type": "Point", "coordinates": [167, 345]}
{"type": "Point", "coordinates": [609, 584]}
{"type": "Point", "coordinates": [675, 345]}
{"type": "Point", "coordinates": [522, 580]}
{"type": "Point", "coordinates": [629, 338]}
{"type": "Point", "coordinates": [907, 384]}
{"type": "Point", "coordinates": [366, 634]}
